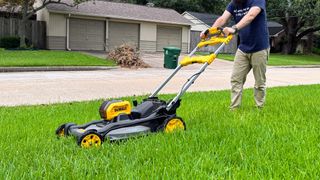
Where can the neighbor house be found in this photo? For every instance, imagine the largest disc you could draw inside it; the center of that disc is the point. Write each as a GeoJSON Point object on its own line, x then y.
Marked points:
{"type": "Point", "coordinates": [276, 33]}
{"type": "Point", "coordinates": [102, 25]}
{"type": "Point", "coordinates": [201, 22]}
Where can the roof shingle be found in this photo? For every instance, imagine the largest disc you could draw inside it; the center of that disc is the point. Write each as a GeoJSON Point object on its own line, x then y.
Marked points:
{"type": "Point", "coordinates": [206, 18]}
{"type": "Point", "coordinates": [121, 11]}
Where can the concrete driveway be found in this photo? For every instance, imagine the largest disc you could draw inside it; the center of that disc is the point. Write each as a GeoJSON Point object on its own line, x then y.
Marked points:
{"type": "Point", "coordinates": [31, 88]}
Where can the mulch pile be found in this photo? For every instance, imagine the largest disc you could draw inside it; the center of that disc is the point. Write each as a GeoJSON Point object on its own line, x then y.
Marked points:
{"type": "Point", "coordinates": [127, 56]}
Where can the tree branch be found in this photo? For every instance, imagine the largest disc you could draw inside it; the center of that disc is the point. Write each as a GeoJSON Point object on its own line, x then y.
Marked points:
{"type": "Point", "coordinates": [45, 3]}
{"type": "Point", "coordinates": [307, 31]}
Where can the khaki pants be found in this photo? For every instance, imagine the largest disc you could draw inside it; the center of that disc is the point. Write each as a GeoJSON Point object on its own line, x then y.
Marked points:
{"type": "Point", "coordinates": [243, 63]}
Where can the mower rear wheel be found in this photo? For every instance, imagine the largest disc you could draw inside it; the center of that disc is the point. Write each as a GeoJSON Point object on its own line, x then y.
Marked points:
{"type": "Point", "coordinates": [174, 124]}
{"type": "Point", "coordinates": [90, 139]}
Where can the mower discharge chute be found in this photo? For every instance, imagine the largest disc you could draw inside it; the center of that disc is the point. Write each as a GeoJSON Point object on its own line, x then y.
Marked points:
{"type": "Point", "coordinates": [120, 121]}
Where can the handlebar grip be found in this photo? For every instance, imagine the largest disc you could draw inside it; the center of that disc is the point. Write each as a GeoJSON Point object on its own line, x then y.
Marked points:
{"type": "Point", "coordinates": [206, 33]}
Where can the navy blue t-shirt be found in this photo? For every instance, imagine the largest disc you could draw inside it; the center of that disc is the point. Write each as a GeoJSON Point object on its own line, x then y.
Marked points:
{"type": "Point", "coordinates": [255, 36]}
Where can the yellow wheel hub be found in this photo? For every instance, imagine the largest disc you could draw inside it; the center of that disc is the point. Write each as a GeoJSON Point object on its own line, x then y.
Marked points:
{"type": "Point", "coordinates": [174, 125]}
{"type": "Point", "coordinates": [61, 132]}
{"type": "Point", "coordinates": [91, 140]}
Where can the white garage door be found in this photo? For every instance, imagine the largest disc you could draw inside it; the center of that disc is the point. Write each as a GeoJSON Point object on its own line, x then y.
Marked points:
{"type": "Point", "coordinates": [87, 34]}
{"type": "Point", "coordinates": [168, 36]}
{"type": "Point", "coordinates": [121, 33]}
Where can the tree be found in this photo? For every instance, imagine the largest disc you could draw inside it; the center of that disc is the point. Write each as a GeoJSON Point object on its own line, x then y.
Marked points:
{"type": "Point", "coordinates": [28, 9]}
{"type": "Point", "coordinates": [208, 6]}
{"type": "Point", "coordinates": [299, 18]}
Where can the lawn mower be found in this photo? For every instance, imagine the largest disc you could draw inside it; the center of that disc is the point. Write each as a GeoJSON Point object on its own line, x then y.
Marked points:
{"type": "Point", "coordinates": [120, 121]}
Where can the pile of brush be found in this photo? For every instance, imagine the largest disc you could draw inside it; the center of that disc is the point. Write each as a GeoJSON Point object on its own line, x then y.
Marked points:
{"type": "Point", "coordinates": [127, 56]}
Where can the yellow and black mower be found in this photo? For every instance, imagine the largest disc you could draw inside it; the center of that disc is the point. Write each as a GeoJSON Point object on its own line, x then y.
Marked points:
{"type": "Point", "coordinates": [120, 121]}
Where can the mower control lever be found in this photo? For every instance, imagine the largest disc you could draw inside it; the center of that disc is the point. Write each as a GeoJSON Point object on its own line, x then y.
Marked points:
{"type": "Point", "coordinates": [214, 31]}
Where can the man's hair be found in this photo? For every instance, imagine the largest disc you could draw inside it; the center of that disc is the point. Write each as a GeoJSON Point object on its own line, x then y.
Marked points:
{"type": "Point", "coordinates": [238, 2]}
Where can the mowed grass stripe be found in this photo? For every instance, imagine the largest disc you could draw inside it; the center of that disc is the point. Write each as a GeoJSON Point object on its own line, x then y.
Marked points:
{"type": "Point", "coordinates": [281, 141]}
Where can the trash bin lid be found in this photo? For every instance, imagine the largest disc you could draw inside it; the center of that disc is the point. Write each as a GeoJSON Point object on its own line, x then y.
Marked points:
{"type": "Point", "coordinates": [173, 49]}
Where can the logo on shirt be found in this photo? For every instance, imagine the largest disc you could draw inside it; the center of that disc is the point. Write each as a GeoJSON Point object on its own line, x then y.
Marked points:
{"type": "Point", "coordinates": [241, 12]}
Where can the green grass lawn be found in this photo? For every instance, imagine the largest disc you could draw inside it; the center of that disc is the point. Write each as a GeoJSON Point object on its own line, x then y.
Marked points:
{"type": "Point", "coordinates": [280, 60]}
{"type": "Point", "coordinates": [280, 142]}
{"type": "Point", "coordinates": [49, 58]}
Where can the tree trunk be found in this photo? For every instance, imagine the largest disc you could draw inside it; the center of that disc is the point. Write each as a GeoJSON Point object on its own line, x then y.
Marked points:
{"type": "Point", "coordinates": [291, 41]}
{"type": "Point", "coordinates": [290, 46]}
{"type": "Point", "coordinates": [23, 23]}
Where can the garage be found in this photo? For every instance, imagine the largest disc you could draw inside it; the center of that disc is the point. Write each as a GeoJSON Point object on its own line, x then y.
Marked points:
{"type": "Point", "coordinates": [120, 33]}
{"type": "Point", "coordinates": [103, 25]}
{"type": "Point", "coordinates": [86, 34]}
{"type": "Point", "coordinates": [168, 36]}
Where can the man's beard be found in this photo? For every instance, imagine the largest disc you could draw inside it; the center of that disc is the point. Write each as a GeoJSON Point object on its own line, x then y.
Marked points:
{"type": "Point", "coordinates": [238, 2]}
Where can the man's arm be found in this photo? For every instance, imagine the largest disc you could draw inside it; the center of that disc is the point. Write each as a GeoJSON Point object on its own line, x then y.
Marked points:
{"type": "Point", "coordinates": [246, 20]}
{"type": "Point", "coordinates": [222, 20]}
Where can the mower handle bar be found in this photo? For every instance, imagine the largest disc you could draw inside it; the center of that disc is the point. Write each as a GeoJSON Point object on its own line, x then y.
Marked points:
{"type": "Point", "coordinates": [216, 34]}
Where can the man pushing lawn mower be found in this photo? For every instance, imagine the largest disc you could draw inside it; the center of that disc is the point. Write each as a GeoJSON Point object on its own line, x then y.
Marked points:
{"type": "Point", "coordinates": [253, 52]}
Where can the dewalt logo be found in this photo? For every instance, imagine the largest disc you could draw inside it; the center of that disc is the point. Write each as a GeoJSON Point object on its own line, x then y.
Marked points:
{"type": "Point", "coordinates": [123, 108]}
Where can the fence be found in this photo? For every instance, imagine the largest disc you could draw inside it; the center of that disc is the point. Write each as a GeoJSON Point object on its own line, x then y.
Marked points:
{"type": "Point", "coordinates": [231, 48]}
{"type": "Point", "coordinates": [35, 30]}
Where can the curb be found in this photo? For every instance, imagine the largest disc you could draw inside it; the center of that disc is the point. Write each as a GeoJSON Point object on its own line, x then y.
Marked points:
{"type": "Point", "coordinates": [55, 68]}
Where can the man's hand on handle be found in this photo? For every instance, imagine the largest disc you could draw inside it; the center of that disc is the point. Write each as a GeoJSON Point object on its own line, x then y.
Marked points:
{"type": "Point", "coordinates": [226, 31]}
{"type": "Point", "coordinates": [204, 34]}
{"type": "Point", "coordinates": [229, 30]}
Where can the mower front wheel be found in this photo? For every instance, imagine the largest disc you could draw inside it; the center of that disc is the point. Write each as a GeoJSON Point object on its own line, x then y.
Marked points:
{"type": "Point", "coordinates": [90, 139]}
{"type": "Point", "coordinates": [62, 130]}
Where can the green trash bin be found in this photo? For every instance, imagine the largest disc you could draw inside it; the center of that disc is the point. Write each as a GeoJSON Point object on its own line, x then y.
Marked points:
{"type": "Point", "coordinates": [171, 57]}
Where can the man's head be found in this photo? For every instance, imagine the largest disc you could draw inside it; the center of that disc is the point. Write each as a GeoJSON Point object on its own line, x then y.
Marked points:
{"type": "Point", "coordinates": [238, 2]}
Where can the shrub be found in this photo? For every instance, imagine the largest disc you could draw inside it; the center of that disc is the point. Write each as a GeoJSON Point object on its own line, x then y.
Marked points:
{"type": "Point", "coordinates": [316, 51]}
{"type": "Point", "coordinates": [12, 42]}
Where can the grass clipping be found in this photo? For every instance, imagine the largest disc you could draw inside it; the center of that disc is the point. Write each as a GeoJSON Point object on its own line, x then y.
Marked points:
{"type": "Point", "coordinates": [127, 56]}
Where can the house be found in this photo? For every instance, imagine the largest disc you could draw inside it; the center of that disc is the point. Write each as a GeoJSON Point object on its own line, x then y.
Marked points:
{"type": "Point", "coordinates": [201, 22]}
{"type": "Point", "coordinates": [103, 25]}
{"type": "Point", "coordinates": [276, 33]}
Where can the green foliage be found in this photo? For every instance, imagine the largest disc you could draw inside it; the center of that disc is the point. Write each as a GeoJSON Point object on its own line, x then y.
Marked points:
{"type": "Point", "coordinates": [50, 58]}
{"type": "Point", "coordinates": [299, 18]}
{"type": "Point", "coordinates": [316, 51]}
{"type": "Point", "coordinates": [279, 142]}
{"type": "Point", "coordinates": [13, 42]}
{"type": "Point", "coordinates": [307, 10]}
{"type": "Point", "coordinates": [207, 6]}
{"type": "Point", "coordinates": [10, 42]}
